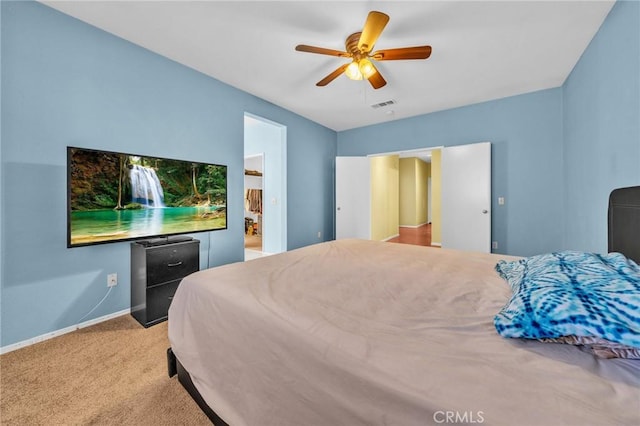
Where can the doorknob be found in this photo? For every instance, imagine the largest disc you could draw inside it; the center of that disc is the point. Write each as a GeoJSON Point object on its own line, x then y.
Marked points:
{"type": "Point", "coordinates": [485, 211]}
{"type": "Point", "coordinates": [338, 208]}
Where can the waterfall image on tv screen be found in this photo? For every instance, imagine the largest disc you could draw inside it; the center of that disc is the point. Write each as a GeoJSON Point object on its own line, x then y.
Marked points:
{"type": "Point", "coordinates": [114, 196]}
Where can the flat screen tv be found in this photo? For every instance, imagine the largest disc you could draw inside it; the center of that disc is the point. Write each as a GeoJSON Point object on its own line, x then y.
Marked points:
{"type": "Point", "coordinates": [113, 196]}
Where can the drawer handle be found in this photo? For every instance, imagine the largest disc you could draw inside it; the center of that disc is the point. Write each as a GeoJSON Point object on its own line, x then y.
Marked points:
{"type": "Point", "coordinates": [171, 265]}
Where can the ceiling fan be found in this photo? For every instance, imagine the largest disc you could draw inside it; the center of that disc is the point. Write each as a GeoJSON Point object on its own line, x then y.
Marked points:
{"type": "Point", "coordinates": [359, 46]}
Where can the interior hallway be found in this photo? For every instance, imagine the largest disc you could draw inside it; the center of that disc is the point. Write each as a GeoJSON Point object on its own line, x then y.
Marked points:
{"type": "Point", "coordinates": [420, 236]}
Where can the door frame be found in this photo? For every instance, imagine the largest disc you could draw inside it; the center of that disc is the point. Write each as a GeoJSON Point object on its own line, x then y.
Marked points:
{"type": "Point", "coordinates": [274, 193]}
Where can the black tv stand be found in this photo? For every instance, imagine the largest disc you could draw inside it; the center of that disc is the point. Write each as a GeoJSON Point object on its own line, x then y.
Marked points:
{"type": "Point", "coordinates": [157, 267]}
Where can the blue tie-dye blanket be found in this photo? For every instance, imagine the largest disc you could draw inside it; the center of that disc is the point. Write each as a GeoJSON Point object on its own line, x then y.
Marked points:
{"type": "Point", "coordinates": [572, 294]}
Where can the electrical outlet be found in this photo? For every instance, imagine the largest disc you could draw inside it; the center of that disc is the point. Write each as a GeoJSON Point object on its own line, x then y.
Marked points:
{"type": "Point", "coordinates": [319, 234]}
{"type": "Point", "coordinates": [494, 245]}
{"type": "Point", "coordinates": [501, 201]}
{"type": "Point", "coordinates": [112, 280]}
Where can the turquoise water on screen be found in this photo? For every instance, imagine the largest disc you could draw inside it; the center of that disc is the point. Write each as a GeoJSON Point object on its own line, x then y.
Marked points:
{"type": "Point", "coordinates": [106, 225]}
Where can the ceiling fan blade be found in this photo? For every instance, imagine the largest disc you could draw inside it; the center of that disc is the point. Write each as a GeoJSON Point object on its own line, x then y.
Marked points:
{"type": "Point", "coordinates": [373, 27]}
{"type": "Point", "coordinates": [328, 79]}
{"type": "Point", "coordinates": [321, 51]}
{"type": "Point", "coordinates": [417, 52]}
{"type": "Point", "coordinates": [376, 79]}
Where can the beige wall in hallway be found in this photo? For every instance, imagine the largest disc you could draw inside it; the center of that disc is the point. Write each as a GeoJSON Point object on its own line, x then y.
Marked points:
{"type": "Point", "coordinates": [422, 175]}
{"type": "Point", "coordinates": [385, 199]}
{"type": "Point", "coordinates": [436, 196]}
{"type": "Point", "coordinates": [413, 191]}
{"type": "Point", "coordinates": [408, 191]}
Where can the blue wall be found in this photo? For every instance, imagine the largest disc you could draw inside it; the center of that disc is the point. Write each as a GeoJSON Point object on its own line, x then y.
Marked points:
{"type": "Point", "coordinates": [67, 83]}
{"type": "Point", "coordinates": [557, 154]}
{"type": "Point", "coordinates": [602, 126]}
{"type": "Point", "coordinates": [526, 136]}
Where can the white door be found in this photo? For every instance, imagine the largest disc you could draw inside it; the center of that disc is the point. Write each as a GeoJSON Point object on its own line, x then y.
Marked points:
{"type": "Point", "coordinates": [353, 198]}
{"type": "Point", "coordinates": [466, 197]}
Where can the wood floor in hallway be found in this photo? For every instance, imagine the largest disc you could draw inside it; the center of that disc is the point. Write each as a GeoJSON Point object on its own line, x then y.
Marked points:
{"type": "Point", "coordinates": [420, 236]}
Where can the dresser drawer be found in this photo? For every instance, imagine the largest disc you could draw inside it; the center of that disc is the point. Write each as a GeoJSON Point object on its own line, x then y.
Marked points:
{"type": "Point", "coordinates": [170, 262]}
{"type": "Point", "coordinates": [158, 301]}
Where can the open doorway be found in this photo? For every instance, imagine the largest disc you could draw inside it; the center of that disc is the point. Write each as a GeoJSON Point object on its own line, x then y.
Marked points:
{"type": "Point", "coordinates": [265, 150]}
{"type": "Point", "coordinates": [414, 169]}
{"type": "Point", "coordinates": [398, 200]}
{"type": "Point", "coordinates": [460, 186]}
{"type": "Point", "coordinates": [253, 202]}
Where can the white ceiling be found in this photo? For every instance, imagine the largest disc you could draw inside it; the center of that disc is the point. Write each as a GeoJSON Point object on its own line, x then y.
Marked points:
{"type": "Point", "coordinates": [481, 50]}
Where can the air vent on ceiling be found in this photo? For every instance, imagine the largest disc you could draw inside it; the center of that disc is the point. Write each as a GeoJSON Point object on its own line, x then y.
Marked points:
{"type": "Point", "coordinates": [383, 104]}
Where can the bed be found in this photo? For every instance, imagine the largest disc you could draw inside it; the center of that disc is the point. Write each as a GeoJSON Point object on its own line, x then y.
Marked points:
{"type": "Point", "coordinates": [355, 332]}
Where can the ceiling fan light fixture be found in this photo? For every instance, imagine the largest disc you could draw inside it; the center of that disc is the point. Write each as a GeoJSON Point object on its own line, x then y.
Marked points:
{"type": "Point", "coordinates": [366, 68]}
{"type": "Point", "coordinates": [353, 71]}
{"type": "Point", "coordinates": [359, 46]}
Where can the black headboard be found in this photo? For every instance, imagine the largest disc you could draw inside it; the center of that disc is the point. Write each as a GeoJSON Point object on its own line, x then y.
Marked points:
{"type": "Point", "coordinates": [624, 222]}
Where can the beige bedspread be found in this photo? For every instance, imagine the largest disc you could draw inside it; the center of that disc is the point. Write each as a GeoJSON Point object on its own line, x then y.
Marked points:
{"type": "Point", "coordinates": [356, 332]}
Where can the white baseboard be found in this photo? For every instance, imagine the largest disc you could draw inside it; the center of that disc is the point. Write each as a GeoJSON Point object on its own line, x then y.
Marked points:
{"type": "Point", "coordinates": [436, 244]}
{"type": "Point", "coordinates": [62, 331]}
{"type": "Point", "coordinates": [391, 237]}
{"type": "Point", "coordinates": [414, 226]}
